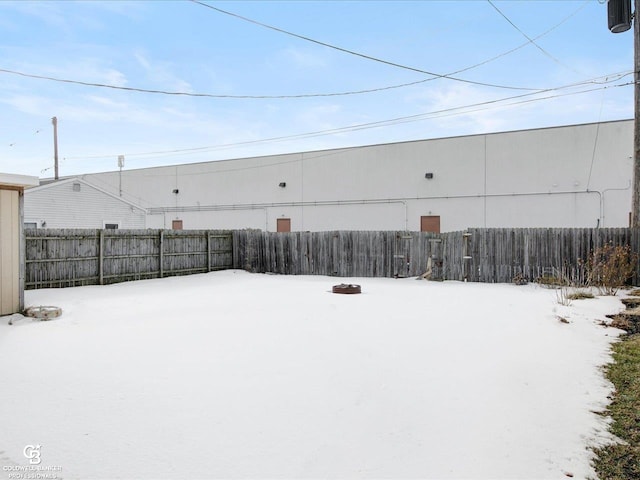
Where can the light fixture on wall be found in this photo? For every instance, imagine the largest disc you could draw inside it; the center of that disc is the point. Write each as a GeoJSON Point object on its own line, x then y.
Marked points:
{"type": "Point", "coordinates": [176, 191]}
{"type": "Point", "coordinates": [282, 184]}
{"type": "Point", "coordinates": [428, 175]}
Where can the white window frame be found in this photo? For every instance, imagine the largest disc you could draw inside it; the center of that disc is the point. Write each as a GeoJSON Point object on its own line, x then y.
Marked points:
{"type": "Point", "coordinates": [39, 223]}
{"type": "Point", "coordinates": [117, 223]}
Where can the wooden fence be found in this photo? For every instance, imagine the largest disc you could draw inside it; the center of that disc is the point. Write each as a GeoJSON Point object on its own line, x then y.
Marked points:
{"type": "Point", "coordinates": [58, 258]}
{"type": "Point", "coordinates": [348, 253]}
{"type": "Point", "coordinates": [477, 255]}
{"type": "Point", "coordinates": [498, 255]}
{"type": "Point", "coordinates": [64, 258]}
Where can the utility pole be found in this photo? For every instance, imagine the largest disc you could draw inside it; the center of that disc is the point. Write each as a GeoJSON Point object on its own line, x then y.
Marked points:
{"type": "Point", "coordinates": [620, 20]}
{"type": "Point", "coordinates": [54, 120]}
{"type": "Point", "coordinates": [635, 210]}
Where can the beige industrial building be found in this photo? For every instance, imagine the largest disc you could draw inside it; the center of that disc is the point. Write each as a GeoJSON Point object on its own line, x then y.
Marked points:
{"type": "Point", "coordinates": [568, 176]}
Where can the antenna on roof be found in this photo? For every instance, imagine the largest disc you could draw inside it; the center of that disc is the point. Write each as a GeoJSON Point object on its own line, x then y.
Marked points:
{"type": "Point", "coordinates": [54, 121]}
{"type": "Point", "coordinates": [120, 164]}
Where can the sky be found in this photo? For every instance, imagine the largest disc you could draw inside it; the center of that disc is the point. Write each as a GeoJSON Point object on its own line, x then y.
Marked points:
{"type": "Point", "coordinates": [173, 82]}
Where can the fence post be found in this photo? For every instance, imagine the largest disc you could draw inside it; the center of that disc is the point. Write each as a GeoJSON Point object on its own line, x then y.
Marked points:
{"type": "Point", "coordinates": [160, 252]}
{"type": "Point", "coordinates": [208, 251]}
{"type": "Point", "coordinates": [466, 255]}
{"type": "Point", "coordinates": [101, 257]}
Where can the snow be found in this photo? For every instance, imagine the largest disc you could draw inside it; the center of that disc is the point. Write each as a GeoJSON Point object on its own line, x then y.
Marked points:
{"type": "Point", "coordinates": [239, 375]}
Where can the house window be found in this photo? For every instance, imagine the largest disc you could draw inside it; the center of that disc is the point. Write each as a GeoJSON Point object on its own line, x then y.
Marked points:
{"type": "Point", "coordinates": [30, 224]}
{"type": "Point", "coordinates": [111, 226]}
{"type": "Point", "coordinates": [176, 224]}
{"type": "Point", "coordinates": [76, 187]}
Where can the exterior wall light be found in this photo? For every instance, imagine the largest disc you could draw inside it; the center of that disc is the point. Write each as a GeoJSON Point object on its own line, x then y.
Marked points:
{"type": "Point", "coordinates": [428, 175]}
{"type": "Point", "coordinates": [176, 191]}
{"type": "Point", "coordinates": [282, 184]}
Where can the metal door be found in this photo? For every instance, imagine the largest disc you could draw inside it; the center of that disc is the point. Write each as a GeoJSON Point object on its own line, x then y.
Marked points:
{"type": "Point", "coordinates": [430, 223]}
{"type": "Point", "coordinates": [283, 225]}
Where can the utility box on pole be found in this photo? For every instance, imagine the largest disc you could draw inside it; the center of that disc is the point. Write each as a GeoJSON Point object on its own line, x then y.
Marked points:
{"type": "Point", "coordinates": [619, 15]}
{"type": "Point", "coordinates": [12, 254]}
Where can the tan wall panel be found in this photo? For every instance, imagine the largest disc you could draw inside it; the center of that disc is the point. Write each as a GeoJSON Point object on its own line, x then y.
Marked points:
{"type": "Point", "coordinates": [9, 252]}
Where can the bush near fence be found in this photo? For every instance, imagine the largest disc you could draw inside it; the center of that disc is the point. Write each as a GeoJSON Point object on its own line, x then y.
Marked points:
{"type": "Point", "coordinates": [56, 258]}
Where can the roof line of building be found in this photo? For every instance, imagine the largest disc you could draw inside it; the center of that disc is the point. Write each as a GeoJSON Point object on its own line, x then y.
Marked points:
{"type": "Point", "coordinates": [88, 184]}
{"type": "Point", "coordinates": [337, 149]}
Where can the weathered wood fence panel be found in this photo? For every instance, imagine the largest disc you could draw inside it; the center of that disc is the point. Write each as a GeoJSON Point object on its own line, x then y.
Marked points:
{"type": "Point", "coordinates": [478, 255]}
{"type": "Point", "coordinates": [57, 258]}
{"type": "Point", "coordinates": [339, 253]}
{"type": "Point", "coordinates": [63, 258]}
{"type": "Point", "coordinates": [498, 255]}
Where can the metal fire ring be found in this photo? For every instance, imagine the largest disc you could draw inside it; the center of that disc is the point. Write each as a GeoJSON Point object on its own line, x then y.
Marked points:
{"type": "Point", "coordinates": [347, 288]}
{"type": "Point", "coordinates": [43, 312]}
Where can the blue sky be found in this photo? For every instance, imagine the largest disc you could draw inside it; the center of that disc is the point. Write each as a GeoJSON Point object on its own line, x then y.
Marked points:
{"type": "Point", "coordinates": [186, 47]}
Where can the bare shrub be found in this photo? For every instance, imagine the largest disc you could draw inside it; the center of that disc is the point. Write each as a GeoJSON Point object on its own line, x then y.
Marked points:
{"type": "Point", "coordinates": [563, 296]}
{"type": "Point", "coordinates": [609, 267]}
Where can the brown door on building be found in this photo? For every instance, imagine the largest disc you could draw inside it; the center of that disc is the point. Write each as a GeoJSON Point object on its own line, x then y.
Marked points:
{"type": "Point", "coordinates": [430, 223]}
{"type": "Point", "coordinates": [284, 225]}
{"type": "Point", "coordinates": [176, 224]}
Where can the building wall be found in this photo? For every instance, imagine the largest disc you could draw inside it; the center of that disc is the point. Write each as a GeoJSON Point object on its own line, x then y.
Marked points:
{"type": "Point", "coordinates": [573, 176]}
{"type": "Point", "coordinates": [63, 206]}
{"type": "Point", "coordinates": [9, 251]}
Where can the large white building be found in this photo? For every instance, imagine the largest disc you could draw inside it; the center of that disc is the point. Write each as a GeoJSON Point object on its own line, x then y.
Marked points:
{"type": "Point", "coordinates": [570, 176]}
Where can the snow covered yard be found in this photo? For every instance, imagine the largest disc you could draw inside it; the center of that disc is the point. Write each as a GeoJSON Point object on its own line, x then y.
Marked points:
{"type": "Point", "coordinates": [238, 375]}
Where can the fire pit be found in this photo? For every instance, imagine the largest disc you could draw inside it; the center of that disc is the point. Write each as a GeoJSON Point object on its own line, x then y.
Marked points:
{"type": "Point", "coordinates": [347, 288]}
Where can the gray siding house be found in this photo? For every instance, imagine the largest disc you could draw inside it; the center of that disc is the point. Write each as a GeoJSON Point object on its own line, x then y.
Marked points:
{"type": "Point", "coordinates": [75, 203]}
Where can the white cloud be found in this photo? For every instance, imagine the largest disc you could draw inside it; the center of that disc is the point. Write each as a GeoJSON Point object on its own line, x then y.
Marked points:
{"type": "Point", "coordinates": [122, 8]}
{"type": "Point", "coordinates": [31, 104]}
{"type": "Point", "coordinates": [162, 74]}
{"type": "Point", "coordinates": [321, 117]}
{"type": "Point", "coordinates": [115, 77]}
{"type": "Point", "coordinates": [303, 58]}
{"type": "Point", "coordinates": [449, 99]}
{"type": "Point", "coordinates": [142, 60]}
{"type": "Point", "coordinates": [47, 12]}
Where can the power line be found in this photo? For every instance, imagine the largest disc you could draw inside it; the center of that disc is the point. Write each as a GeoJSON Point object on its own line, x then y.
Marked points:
{"type": "Point", "coordinates": [306, 95]}
{"type": "Point", "coordinates": [389, 122]}
{"type": "Point", "coordinates": [362, 55]}
{"type": "Point", "coordinates": [439, 114]}
{"type": "Point", "coordinates": [529, 41]}
{"type": "Point", "coordinates": [208, 95]}
{"type": "Point", "coordinates": [20, 139]}
{"type": "Point", "coordinates": [529, 38]}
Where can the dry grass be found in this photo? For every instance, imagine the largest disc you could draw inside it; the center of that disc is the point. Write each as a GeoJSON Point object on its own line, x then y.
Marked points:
{"type": "Point", "coordinates": [621, 461]}
{"type": "Point", "coordinates": [580, 295]}
{"type": "Point", "coordinates": [621, 322]}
